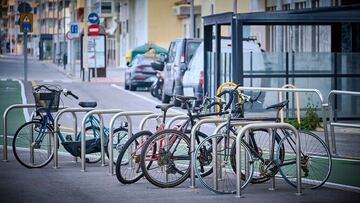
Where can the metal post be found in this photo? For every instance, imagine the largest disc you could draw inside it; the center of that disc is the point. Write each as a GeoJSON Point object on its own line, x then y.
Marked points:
{"type": "Point", "coordinates": [271, 151]}
{"type": "Point", "coordinates": [102, 140]}
{"type": "Point", "coordinates": [242, 131]}
{"type": "Point", "coordinates": [127, 115]}
{"type": "Point", "coordinates": [56, 128]}
{"type": "Point", "coordinates": [215, 163]}
{"type": "Point", "coordinates": [194, 129]}
{"type": "Point", "coordinates": [5, 118]}
{"type": "Point", "coordinates": [75, 130]}
{"type": "Point", "coordinates": [31, 133]}
{"type": "Point", "coordinates": [83, 134]}
{"type": "Point", "coordinates": [25, 58]}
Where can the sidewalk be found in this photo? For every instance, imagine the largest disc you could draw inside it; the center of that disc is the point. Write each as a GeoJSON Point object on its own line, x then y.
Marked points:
{"type": "Point", "coordinates": [113, 74]}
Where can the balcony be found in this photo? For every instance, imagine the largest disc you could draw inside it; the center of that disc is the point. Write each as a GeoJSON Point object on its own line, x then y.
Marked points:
{"type": "Point", "coordinates": [183, 10]}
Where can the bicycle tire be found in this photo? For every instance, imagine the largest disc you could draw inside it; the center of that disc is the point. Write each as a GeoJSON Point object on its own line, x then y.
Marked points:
{"type": "Point", "coordinates": [165, 159]}
{"type": "Point", "coordinates": [16, 145]}
{"type": "Point", "coordinates": [119, 141]}
{"type": "Point", "coordinates": [122, 164]}
{"type": "Point", "coordinates": [261, 174]}
{"type": "Point", "coordinates": [227, 182]}
{"type": "Point", "coordinates": [316, 156]}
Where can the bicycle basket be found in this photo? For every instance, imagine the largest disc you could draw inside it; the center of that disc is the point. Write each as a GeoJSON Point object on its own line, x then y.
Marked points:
{"type": "Point", "coordinates": [47, 101]}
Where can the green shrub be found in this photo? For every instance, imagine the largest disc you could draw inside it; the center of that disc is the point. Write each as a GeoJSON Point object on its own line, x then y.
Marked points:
{"type": "Point", "coordinates": [310, 121]}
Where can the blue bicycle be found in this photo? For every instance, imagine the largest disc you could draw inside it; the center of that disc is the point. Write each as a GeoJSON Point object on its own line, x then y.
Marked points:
{"type": "Point", "coordinates": [33, 143]}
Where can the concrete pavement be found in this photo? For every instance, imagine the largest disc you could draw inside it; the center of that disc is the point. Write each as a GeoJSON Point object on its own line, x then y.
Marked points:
{"type": "Point", "coordinates": [68, 184]}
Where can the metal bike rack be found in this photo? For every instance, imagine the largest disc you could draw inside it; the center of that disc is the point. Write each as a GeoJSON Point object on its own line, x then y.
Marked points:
{"type": "Point", "coordinates": [332, 122]}
{"type": "Point", "coordinates": [127, 115]}
{"type": "Point", "coordinates": [316, 91]}
{"type": "Point", "coordinates": [195, 128]}
{"type": "Point", "coordinates": [5, 115]}
{"type": "Point", "coordinates": [176, 118]}
{"type": "Point", "coordinates": [155, 115]}
{"type": "Point", "coordinates": [99, 112]}
{"type": "Point", "coordinates": [73, 111]}
{"type": "Point", "coordinates": [269, 126]}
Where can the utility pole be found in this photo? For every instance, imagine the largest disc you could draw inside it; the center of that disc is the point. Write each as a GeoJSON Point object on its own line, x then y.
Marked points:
{"type": "Point", "coordinates": [85, 40]}
{"type": "Point", "coordinates": [64, 13]}
{"type": "Point", "coordinates": [192, 19]}
{"type": "Point", "coordinates": [25, 57]}
{"type": "Point", "coordinates": [235, 6]}
{"type": "Point", "coordinates": [57, 50]}
{"type": "Point", "coordinates": [71, 54]}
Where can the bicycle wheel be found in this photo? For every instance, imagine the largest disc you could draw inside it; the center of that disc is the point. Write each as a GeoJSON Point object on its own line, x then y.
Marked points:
{"type": "Point", "coordinates": [170, 164]}
{"type": "Point", "coordinates": [120, 137]}
{"type": "Point", "coordinates": [226, 176]}
{"type": "Point", "coordinates": [128, 161]}
{"type": "Point", "coordinates": [33, 144]}
{"type": "Point", "coordinates": [315, 160]}
{"type": "Point", "coordinates": [259, 143]}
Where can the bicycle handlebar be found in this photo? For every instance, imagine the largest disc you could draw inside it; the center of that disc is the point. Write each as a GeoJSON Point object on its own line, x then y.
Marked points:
{"type": "Point", "coordinates": [71, 94]}
{"type": "Point", "coordinates": [230, 100]}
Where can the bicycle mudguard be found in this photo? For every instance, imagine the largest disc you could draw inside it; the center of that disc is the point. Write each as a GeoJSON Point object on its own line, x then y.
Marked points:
{"type": "Point", "coordinates": [74, 148]}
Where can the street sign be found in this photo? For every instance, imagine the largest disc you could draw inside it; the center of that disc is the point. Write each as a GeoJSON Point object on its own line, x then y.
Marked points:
{"type": "Point", "coordinates": [93, 30]}
{"type": "Point", "coordinates": [69, 36]}
{"type": "Point", "coordinates": [26, 22]}
{"type": "Point", "coordinates": [24, 7]}
{"type": "Point", "coordinates": [74, 30]}
{"type": "Point", "coordinates": [93, 18]}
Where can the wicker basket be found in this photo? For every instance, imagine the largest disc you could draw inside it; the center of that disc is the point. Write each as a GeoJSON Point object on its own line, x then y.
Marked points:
{"type": "Point", "coordinates": [47, 101]}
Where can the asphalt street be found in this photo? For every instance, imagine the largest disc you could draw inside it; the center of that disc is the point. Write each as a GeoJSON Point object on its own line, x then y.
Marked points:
{"type": "Point", "coordinates": [68, 184]}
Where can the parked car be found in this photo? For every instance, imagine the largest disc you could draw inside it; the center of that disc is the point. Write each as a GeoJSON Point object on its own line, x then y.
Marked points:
{"type": "Point", "coordinates": [140, 73]}
{"type": "Point", "coordinates": [193, 80]}
{"type": "Point", "coordinates": [179, 54]}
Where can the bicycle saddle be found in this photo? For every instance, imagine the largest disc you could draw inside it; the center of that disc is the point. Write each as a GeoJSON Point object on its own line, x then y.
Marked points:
{"type": "Point", "coordinates": [184, 99]}
{"type": "Point", "coordinates": [278, 106]}
{"type": "Point", "coordinates": [89, 104]}
{"type": "Point", "coordinates": [164, 107]}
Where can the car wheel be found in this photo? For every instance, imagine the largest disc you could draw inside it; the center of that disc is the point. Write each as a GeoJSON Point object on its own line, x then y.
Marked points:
{"type": "Point", "coordinates": [126, 86]}
{"type": "Point", "coordinates": [132, 87]}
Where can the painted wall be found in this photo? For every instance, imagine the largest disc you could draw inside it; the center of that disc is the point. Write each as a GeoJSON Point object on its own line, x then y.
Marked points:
{"type": "Point", "coordinates": [163, 25]}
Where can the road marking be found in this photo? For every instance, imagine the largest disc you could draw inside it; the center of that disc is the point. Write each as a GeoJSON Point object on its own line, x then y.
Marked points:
{"type": "Point", "coordinates": [24, 101]}
{"type": "Point", "coordinates": [143, 97]}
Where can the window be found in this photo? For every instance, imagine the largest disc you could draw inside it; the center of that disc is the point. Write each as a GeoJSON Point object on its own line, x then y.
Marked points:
{"type": "Point", "coordinates": [51, 6]}
{"type": "Point", "coordinates": [106, 7]}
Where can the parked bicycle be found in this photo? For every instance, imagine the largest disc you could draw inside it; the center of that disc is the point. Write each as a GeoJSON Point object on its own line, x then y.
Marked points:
{"type": "Point", "coordinates": [315, 161]}
{"type": "Point", "coordinates": [33, 143]}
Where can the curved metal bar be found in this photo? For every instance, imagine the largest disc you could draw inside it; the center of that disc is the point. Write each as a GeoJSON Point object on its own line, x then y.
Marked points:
{"type": "Point", "coordinates": [56, 128]}
{"type": "Point", "coordinates": [245, 129]}
{"type": "Point", "coordinates": [83, 135]}
{"type": "Point", "coordinates": [152, 116]}
{"type": "Point", "coordinates": [5, 115]}
{"type": "Point", "coordinates": [176, 118]}
{"type": "Point", "coordinates": [195, 128]}
{"type": "Point", "coordinates": [332, 122]}
{"type": "Point", "coordinates": [316, 91]}
{"type": "Point", "coordinates": [127, 115]}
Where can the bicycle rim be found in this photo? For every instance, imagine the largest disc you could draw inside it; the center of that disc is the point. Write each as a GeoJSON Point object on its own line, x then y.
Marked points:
{"type": "Point", "coordinates": [33, 154]}
{"type": "Point", "coordinates": [315, 159]}
{"type": "Point", "coordinates": [171, 160]}
{"type": "Point", "coordinates": [226, 176]}
{"type": "Point", "coordinates": [128, 168]}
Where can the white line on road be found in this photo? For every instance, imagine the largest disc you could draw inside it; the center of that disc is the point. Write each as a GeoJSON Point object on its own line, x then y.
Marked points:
{"type": "Point", "coordinates": [142, 97]}
{"type": "Point", "coordinates": [24, 101]}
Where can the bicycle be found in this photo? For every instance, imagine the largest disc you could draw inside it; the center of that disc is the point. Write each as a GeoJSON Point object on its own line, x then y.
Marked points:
{"type": "Point", "coordinates": [165, 158]}
{"type": "Point", "coordinates": [37, 136]}
{"type": "Point", "coordinates": [128, 168]}
{"type": "Point", "coordinates": [268, 164]}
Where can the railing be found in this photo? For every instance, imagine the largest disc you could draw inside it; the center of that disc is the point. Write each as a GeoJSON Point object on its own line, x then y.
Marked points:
{"type": "Point", "coordinates": [73, 111]}
{"type": "Point", "coordinates": [269, 126]}
{"type": "Point", "coordinates": [127, 115]}
{"type": "Point", "coordinates": [332, 122]}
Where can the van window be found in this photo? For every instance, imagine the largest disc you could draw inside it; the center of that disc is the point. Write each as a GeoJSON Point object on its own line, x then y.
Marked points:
{"type": "Point", "coordinates": [190, 50]}
{"type": "Point", "coordinates": [171, 54]}
{"type": "Point", "coordinates": [179, 51]}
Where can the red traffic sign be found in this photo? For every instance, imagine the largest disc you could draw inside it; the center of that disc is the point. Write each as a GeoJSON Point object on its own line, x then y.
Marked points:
{"type": "Point", "coordinates": [93, 29]}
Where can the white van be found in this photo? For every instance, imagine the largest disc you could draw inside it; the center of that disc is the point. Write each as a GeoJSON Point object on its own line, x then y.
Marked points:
{"type": "Point", "coordinates": [193, 80]}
